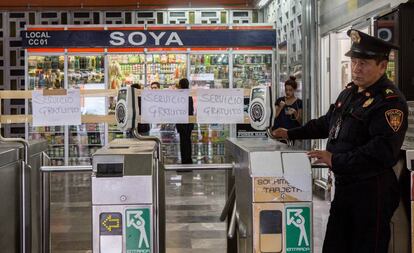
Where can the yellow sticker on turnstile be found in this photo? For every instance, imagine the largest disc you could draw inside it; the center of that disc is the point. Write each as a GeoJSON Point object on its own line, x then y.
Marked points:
{"type": "Point", "coordinates": [110, 223]}
{"type": "Point", "coordinates": [274, 189]}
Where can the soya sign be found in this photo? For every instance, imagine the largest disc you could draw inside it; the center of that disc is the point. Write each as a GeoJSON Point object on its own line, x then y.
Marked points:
{"type": "Point", "coordinates": [145, 38]}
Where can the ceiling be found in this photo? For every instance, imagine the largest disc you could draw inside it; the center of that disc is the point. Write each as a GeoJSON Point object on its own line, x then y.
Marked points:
{"type": "Point", "coordinates": [124, 4]}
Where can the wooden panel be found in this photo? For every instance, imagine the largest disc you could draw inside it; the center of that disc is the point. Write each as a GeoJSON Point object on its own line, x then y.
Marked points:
{"type": "Point", "coordinates": [14, 119]}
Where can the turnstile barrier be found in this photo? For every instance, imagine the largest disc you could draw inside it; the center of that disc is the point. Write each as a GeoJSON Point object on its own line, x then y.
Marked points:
{"type": "Point", "coordinates": [273, 188]}
{"type": "Point", "coordinates": [127, 201]}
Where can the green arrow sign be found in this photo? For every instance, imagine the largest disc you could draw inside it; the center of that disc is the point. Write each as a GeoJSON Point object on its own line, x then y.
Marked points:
{"type": "Point", "coordinates": [138, 230]}
{"type": "Point", "coordinates": [298, 229]}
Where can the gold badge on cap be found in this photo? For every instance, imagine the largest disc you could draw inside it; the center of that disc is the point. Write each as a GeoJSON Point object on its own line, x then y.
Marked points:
{"type": "Point", "coordinates": [368, 102]}
{"type": "Point", "coordinates": [355, 36]}
{"type": "Point", "coordinates": [394, 118]}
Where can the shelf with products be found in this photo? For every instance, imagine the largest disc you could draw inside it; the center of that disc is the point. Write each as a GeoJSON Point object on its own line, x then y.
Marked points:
{"type": "Point", "coordinates": [209, 71]}
{"type": "Point", "coordinates": [126, 69]}
{"type": "Point", "coordinates": [167, 69]}
{"type": "Point", "coordinates": [85, 70]}
{"type": "Point", "coordinates": [251, 70]}
{"type": "Point", "coordinates": [45, 71]}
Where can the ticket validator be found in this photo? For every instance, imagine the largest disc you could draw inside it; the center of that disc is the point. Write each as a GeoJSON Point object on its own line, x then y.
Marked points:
{"type": "Point", "coordinates": [260, 107]}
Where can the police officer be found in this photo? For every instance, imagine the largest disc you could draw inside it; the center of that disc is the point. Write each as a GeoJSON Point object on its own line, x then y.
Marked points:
{"type": "Point", "coordinates": [365, 130]}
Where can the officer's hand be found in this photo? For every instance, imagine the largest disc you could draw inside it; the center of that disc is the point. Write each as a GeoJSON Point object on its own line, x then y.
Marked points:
{"type": "Point", "coordinates": [282, 104]}
{"type": "Point", "coordinates": [280, 133]}
{"type": "Point", "coordinates": [322, 156]}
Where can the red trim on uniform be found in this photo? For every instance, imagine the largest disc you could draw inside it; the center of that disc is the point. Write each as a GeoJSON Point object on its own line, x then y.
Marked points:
{"type": "Point", "coordinates": [86, 50]}
{"type": "Point", "coordinates": [392, 96]}
{"type": "Point", "coordinates": [378, 215]}
{"type": "Point", "coordinates": [126, 49]}
{"type": "Point", "coordinates": [46, 50]}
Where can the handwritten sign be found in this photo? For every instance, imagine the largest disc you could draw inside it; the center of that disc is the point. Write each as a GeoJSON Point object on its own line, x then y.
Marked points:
{"type": "Point", "coordinates": [220, 106]}
{"type": "Point", "coordinates": [56, 110]}
{"type": "Point", "coordinates": [164, 106]}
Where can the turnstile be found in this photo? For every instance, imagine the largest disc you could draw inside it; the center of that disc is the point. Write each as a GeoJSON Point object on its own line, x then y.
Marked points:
{"type": "Point", "coordinates": [273, 186]}
{"type": "Point", "coordinates": [12, 190]}
{"type": "Point", "coordinates": [127, 201]}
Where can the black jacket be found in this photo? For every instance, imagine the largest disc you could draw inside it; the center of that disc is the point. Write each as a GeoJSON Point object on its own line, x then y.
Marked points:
{"type": "Point", "coordinates": [369, 138]}
{"type": "Point", "coordinates": [181, 128]}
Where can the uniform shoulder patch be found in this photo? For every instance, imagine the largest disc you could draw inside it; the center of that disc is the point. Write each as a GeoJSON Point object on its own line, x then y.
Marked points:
{"type": "Point", "coordinates": [394, 118]}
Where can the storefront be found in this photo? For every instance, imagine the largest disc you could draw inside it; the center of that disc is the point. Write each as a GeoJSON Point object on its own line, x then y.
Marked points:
{"type": "Point", "coordinates": [105, 58]}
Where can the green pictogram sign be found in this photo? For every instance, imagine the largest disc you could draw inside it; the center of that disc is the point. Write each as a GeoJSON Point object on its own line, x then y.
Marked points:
{"type": "Point", "coordinates": [138, 230]}
{"type": "Point", "coordinates": [298, 229]}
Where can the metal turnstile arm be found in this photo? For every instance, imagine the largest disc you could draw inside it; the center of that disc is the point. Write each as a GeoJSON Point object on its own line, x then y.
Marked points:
{"type": "Point", "coordinates": [229, 203]}
{"type": "Point", "coordinates": [232, 226]}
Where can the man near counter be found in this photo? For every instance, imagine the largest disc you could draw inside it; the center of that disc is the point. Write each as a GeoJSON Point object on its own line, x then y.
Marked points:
{"type": "Point", "coordinates": [365, 130]}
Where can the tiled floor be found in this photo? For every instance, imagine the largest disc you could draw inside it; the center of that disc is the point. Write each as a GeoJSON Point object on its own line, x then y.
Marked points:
{"type": "Point", "coordinates": [193, 202]}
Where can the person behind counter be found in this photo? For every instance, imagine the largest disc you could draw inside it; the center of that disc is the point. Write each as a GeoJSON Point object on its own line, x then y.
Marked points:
{"type": "Point", "coordinates": [143, 129]}
{"type": "Point", "coordinates": [185, 129]}
{"type": "Point", "coordinates": [365, 130]}
{"type": "Point", "coordinates": [288, 108]}
{"type": "Point", "coordinates": [155, 86]}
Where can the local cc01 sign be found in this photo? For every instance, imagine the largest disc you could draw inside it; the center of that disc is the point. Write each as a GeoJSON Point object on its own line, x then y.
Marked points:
{"type": "Point", "coordinates": [144, 38]}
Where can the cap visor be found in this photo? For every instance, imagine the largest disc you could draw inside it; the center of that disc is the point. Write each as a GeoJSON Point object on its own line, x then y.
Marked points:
{"type": "Point", "coordinates": [360, 55]}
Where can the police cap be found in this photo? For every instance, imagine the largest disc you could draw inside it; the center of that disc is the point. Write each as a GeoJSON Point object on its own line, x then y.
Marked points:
{"type": "Point", "coordinates": [367, 47]}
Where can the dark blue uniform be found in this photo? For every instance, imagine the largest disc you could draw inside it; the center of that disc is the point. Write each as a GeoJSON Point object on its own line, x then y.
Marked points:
{"type": "Point", "coordinates": [365, 131]}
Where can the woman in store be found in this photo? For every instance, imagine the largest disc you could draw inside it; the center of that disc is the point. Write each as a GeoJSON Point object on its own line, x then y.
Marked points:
{"type": "Point", "coordinates": [185, 129]}
{"type": "Point", "coordinates": [288, 108]}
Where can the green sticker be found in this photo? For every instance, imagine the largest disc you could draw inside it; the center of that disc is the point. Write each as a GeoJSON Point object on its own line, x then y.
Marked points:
{"type": "Point", "coordinates": [138, 230]}
{"type": "Point", "coordinates": [298, 229]}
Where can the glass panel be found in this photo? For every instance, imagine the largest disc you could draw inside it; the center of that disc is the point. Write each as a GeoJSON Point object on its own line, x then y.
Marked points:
{"type": "Point", "coordinates": [12, 28]}
{"type": "Point", "coordinates": [70, 207]}
{"type": "Point", "coordinates": [13, 58]}
{"type": "Point", "coordinates": [84, 140]}
{"type": "Point", "coordinates": [223, 17]}
{"type": "Point", "coordinates": [209, 71]}
{"type": "Point", "coordinates": [54, 135]}
{"type": "Point", "coordinates": [46, 72]}
{"type": "Point", "coordinates": [250, 70]}
{"type": "Point", "coordinates": [167, 69]}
